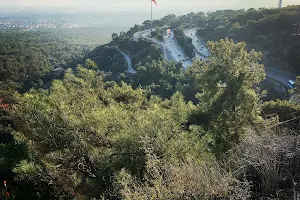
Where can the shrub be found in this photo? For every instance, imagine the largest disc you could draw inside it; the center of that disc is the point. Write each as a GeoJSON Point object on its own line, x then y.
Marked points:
{"type": "Point", "coordinates": [271, 161]}
{"type": "Point", "coordinates": [184, 180]}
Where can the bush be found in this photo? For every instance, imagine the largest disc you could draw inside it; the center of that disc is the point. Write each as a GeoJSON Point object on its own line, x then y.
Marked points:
{"type": "Point", "coordinates": [184, 180]}
{"type": "Point", "coordinates": [27, 171]}
{"type": "Point", "coordinates": [271, 161]}
{"type": "Point", "coordinates": [288, 113]}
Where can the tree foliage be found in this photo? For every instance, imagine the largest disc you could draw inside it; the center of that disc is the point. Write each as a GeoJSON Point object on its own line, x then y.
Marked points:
{"type": "Point", "coordinates": [83, 130]}
{"type": "Point", "coordinates": [228, 99]}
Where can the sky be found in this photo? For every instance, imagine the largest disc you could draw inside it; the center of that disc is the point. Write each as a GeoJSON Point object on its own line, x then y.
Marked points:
{"type": "Point", "coordinates": [135, 5]}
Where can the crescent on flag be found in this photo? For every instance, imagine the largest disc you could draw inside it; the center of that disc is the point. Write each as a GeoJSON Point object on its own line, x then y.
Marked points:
{"type": "Point", "coordinates": [154, 1]}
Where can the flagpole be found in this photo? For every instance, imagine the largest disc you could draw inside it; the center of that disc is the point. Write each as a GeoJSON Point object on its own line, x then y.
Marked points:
{"type": "Point", "coordinates": [151, 15]}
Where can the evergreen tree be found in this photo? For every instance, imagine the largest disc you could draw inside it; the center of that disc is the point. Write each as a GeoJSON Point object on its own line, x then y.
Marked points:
{"type": "Point", "coordinates": [228, 98]}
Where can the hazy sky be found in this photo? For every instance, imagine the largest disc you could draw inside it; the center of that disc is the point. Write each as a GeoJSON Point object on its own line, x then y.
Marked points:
{"type": "Point", "coordinates": [117, 5]}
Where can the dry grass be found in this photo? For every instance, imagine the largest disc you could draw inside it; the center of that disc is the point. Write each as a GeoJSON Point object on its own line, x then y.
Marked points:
{"type": "Point", "coordinates": [187, 180]}
{"type": "Point", "coordinates": [272, 161]}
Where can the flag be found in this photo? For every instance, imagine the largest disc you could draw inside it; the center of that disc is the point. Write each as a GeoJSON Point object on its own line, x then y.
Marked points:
{"type": "Point", "coordinates": [154, 1]}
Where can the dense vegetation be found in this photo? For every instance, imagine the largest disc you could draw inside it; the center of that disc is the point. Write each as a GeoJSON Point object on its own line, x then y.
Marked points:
{"type": "Point", "coordinates": [164, 133]}
{"type": "Point", "coordinates": [164, 79]}
{"type": "Point", "coordinates": [89, 138]}
{"type": "Point", "coordinates": [264, 29]}
{"type": "Point", "coordinates": [108, 57]}
{"type": "Point", "coordinates": [26, 57]}
{"type": "Point", "coordinates": [140, 51]}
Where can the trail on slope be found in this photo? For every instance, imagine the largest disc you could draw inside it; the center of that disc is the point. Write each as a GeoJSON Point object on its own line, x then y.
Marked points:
{"type": "Point", "coordinates": [129, 63]}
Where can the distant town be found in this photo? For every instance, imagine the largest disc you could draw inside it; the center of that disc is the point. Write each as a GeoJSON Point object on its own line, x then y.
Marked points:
{"type": "Point", "coordinates": [34, 25]}
{"type": "Point", "coordinates": [9, 10]}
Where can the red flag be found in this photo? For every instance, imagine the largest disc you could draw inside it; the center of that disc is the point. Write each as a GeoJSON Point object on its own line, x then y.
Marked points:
{"type": "Point", "coordinates": [154, 1]}
{"type": "Point", "coordinates": [4, 183]}
{"type": "Point", "coordinates": [7, 194]}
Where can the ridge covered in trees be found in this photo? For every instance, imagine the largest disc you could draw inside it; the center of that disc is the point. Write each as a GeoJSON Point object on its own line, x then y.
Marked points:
{"type": "Point", "coordinates": [265, 29]}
